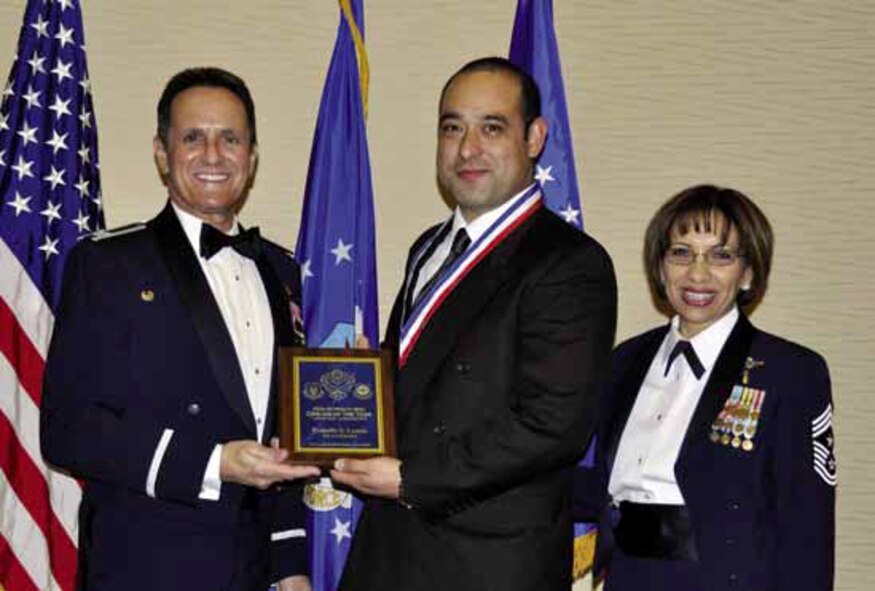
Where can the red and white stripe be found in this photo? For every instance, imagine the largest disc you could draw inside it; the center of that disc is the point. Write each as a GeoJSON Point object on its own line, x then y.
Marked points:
{"type": "Point", "coordinates": [38, 506]}
{"type": "Point", "coordinates": [413, 329]}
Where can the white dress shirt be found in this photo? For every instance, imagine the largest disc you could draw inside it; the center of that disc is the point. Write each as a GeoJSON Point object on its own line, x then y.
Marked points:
{"type": "Point", "coordinates": [644, 467]}
{"type": "Point", "coordinates": [239, 292]}
{"type": "Point", "coordinates": [475, 229]}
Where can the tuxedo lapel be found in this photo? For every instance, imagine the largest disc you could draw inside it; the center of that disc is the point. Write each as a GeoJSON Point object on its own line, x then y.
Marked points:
{"type": "Point", "coordinates": [466, 302]}
{"type": "Point", "coordinates": [627, 391]}
{"type": "Point", "coordinates": [196, 296]}
{"type": "Point", "coordinates": [284, 336]}
{"type": "Point", "coordinates": [726, 372]}
{"type": "Point", "coordinates": [421, 252]}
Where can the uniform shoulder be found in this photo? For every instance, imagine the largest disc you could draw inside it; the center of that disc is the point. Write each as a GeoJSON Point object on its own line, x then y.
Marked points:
{"type": "Point", "coordinates": [283, 262]}
{"type": "Point", "coordinates": [103, 235]}
{"type": "Point", "coordinates": [277, 249]}
{"type": "Point", "coordinates": [632, 344]}
{"type": "Point", "coordinates": [795, 354]}
{"type": "Point", "coordinates": [122, 239]}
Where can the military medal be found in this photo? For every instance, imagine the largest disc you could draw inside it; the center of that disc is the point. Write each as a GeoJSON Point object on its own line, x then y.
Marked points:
{"type": "Point", "coordinates": [737, 422]}
{"type": "Point", "coordinates": [750, 427]}
{"type": "Point", "coordinates": [721, 427]}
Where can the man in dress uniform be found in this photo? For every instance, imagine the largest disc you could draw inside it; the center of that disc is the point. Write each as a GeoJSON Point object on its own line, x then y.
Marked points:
{"type": "Point", "coordinates": [161, 382]}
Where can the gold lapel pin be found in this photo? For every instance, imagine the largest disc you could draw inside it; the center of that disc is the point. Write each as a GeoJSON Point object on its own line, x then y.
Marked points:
{"type": "Point", "coordinates": [147, 295]}
{"type": "Point", "coordinates": [750, 364]}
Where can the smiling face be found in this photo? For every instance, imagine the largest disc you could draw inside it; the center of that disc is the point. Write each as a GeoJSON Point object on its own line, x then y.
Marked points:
{"type": "Point", "coordinates": [700, 293]}
{"type": "Point", "coordinates": [209, 157]}
{"type": "Point", "coordinates": [484, 156]}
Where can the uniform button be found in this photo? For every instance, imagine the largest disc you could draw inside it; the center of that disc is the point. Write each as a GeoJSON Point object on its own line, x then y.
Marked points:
{"type": "Point", "coordinates": [257, 371]}
{"type": "Point", "coordinates": [658, 417]}
{"type": "Point", "coordinates": [734, 506]}
{"type": "Point", "coordinates": [193, 409]}
{"type": "Point", "coordinates": [463, 367]}
{"type": "Point", "coordinates": [248, 324]}
{"type": "Point", "coordinates": [733, 579]}
{"type": "Point", "coordinates": [730, 541]}
{"type": "Point", "coordinates": [260, 421]}
{"type": "Point", "coordinates": [439, 429]}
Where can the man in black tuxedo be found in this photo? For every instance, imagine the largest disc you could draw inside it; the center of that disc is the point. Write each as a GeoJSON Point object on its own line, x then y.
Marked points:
{"type": "Point", "coordinates": [503, 331]}
{"type": "Point", "coordinates": [161, 382]}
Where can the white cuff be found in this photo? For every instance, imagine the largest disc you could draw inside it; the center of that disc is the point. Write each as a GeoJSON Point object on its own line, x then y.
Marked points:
{"type": "Point", "coordinates": [212, 484]}
{"type": "Point", "coordinates": [160, 450]}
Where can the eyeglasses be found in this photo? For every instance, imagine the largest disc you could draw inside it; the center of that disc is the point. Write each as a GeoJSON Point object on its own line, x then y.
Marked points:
{"type": "Point", "coordinates": [684, 256]}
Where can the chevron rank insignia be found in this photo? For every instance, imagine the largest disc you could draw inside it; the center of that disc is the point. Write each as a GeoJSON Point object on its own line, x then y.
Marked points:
{"type": "Point", "coordinates": [824, 446]}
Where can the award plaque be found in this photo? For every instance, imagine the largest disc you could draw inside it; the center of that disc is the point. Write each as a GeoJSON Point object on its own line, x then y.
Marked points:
{"type": "Point", "coordinates": [336, 403]}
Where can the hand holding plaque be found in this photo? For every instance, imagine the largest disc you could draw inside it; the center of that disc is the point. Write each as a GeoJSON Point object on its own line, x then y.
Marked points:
{"type": "Point", "coordinates": [336, 403]}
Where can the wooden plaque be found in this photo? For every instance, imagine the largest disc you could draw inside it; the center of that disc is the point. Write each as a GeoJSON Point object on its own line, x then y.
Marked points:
{"type": "Point", "coordinates": [336, 403]}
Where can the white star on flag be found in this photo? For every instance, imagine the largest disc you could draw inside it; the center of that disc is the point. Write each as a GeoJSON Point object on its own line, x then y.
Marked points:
{"type": "Point", "coordinates": [341, 252]}
{"type": "Point", "coordinates": [306, 272]}
{"type": "Point", "coordinates": [20, 204]}
{"type": "Point", "coordinates": [569, 214]}
{"type": "Point", "coordinates": [81, 222]}
{"type": "Point", "coordinates": [341, 530]}
{"type": "Point", "coordinates": [58, 142]}
{"type": "Point", "coordinates": [28, 134]}
{"type": "Point", "coordinates": [4, 121]}
{"type": "Point", "coordinates": [85, 119]}
{"type": "Point", "coordinates": [84, 154]}
{"type": "Point", "coordinates": [60, 107]}
{"type": "Point", "coordinates": [41, 27]}
{"type": "Point", "coordinates": [32, 98]}
{"type": "Point", "coordinates": [49, 247]}
{"type": "Point", "coordinates": [51, 212]}
{"type": "Point", "coordinates": [3, 158]}
{"type": "Point", "coordinates": [64, 35]}
{"type": "Point", "coordinates": [82, 187]}
{"type": "Point", "coordinates": [65, 4]}
{"type": "Point", "coordinates": [36, 64]}
{"type": "Point", "coordinates": [62, 70]}
{"type": "Point", "coordinates": [23, 167]}
{"type": "Point", "coordinates": [544, 176]}
{"type": "Point", "coordinates": [56, 178]}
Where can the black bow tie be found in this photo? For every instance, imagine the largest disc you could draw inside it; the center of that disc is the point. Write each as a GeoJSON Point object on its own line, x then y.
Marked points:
{"type": "Point", "coordinates": [246, 243]}
{"type": "Point", "coordinates": [692, 359]}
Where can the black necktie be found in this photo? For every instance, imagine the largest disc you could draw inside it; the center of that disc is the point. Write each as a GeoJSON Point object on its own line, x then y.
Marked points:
{"type": "Point", "coordinates": [461, 241]}
{"type": "Point", "coordinates": [692, 359]}
{"type": "Point", "coordinates": [246, 243]}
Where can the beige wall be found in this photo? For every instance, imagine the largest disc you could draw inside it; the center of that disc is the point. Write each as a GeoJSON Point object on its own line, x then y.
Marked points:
{"type": "Point", "coordinates": [774, 98]}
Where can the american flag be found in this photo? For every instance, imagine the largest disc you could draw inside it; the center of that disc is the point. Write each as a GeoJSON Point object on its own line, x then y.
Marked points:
{"type": "Point", "coordinates": [533, 47]}
{"type": "Point", "coordinates": [338, 261]}
{"type": "Point", "coordinates": [50, 190]}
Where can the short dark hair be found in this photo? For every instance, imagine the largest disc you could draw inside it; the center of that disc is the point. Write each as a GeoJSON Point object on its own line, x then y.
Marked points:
{"type": "Point", "coordinates": [208, 77]}
{"type": "Point", "coordinates": [705, 208]}
{"type": "Point", "coordinates": [530, 96]}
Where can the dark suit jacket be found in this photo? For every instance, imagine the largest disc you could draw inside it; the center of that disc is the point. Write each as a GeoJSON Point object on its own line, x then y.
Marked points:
{"type": "Point", "coordinates": [764, 518]}
{"type": "Point", "coordinates": [140, 346]}
{"type": "Point", "coordinates": [495, 403]}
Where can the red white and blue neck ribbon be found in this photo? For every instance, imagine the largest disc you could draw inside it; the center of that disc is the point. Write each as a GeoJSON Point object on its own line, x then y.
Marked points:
{"type": "Point", "coordinates": [522, 209]}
